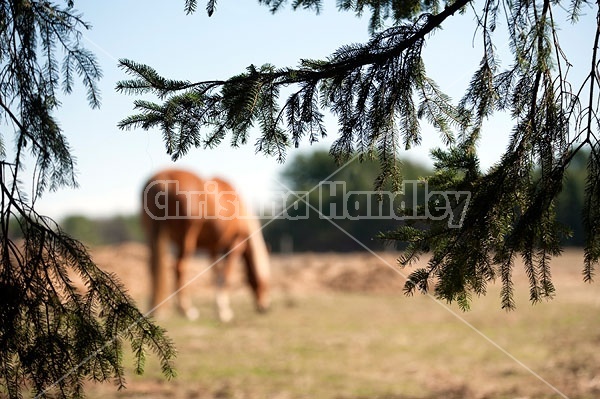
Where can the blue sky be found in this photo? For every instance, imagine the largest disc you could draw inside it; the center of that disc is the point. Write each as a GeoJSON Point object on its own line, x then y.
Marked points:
{"type": "Point", "coordinates": [112, 165]}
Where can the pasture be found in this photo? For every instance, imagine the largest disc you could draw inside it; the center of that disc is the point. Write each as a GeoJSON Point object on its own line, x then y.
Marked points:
{"type": "Point", "coordinates": [341, 328]}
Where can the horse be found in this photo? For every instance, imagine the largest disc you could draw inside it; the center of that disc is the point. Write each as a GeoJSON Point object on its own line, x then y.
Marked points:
{"type": "Point", "coordinates": [193, 214]}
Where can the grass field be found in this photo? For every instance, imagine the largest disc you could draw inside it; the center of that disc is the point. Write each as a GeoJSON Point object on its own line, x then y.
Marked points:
{"type": "Point", "coordinates": [341, 328]}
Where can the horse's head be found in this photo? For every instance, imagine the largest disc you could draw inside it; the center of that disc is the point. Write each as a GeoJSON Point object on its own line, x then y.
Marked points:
{"type": "Point", "coordinates": [258, 265]}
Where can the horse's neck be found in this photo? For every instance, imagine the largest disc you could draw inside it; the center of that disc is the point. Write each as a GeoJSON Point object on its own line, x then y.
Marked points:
{"type": "Point", "coordinates": [259, 254]}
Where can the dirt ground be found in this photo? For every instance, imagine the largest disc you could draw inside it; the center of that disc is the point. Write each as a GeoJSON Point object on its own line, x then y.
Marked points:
{"type": "Point", "coordinates": [355, 272]}
{"type": "Point", "coordinates": [341, 328]}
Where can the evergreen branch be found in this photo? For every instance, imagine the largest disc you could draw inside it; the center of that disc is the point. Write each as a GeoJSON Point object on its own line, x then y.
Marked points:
{"type": "Point", "coordinates": [591, 216]}
{"type": "Point", "coordinates": [275, 5]}
{"type": "Point", "coordinates": [148, 80]}
{"type": "Point", "coordinates": [190, 6]}
{"type": "Point", "coordinates": [320, 71]}
{"type": "Point", "coordinates": [47, 254]}
{"type": "Point", "coordinates": [242, 94]}
{"type": "Point", "coordinates": [371, 89]}
{"type": "Point", "coordinates": [53, 336]}
{"type": "Point", "coordinates": [377, 56]}
{"type": "Point", "coordinates": [210, 7]}
{"type": "Point", "coordinates": [593, 75]}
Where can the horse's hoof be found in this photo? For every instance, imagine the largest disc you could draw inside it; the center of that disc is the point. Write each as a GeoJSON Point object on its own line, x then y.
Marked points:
{"type": "Point", "coordinates": [262, 309]}
{"type": "Point", "coordinates": [226, 315]}
{"type": "Point", "coordinates": [192, 314]}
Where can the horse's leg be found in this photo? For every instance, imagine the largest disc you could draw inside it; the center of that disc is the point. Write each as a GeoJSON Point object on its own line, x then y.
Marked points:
{"type": "Point", "coordinates": [186, 250]}
{"type": "Point", "coordinates": [223, 305]}
{"type": "Point", "coordinates": [158, 242]}
{"type": "Point", "coordinates": [222, 270]}
{"type": "Point", "coordinates": [222, 281]}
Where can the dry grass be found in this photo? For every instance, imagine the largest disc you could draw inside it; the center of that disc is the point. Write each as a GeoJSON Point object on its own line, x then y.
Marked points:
{"type": "Point", "coordinates": [340, 328]}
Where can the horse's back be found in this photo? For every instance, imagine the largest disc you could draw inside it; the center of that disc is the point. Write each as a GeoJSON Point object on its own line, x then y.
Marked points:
{"type": "Point", "coordinates": [230, 218]}
{"type": "Point", "coordinates": [180, 201]}
{"type": "Point", "coordinates": [172, 200]}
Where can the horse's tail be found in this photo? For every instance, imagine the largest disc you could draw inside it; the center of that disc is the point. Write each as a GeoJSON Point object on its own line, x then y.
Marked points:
{"type": "Point", "coordinates": [258, 268]}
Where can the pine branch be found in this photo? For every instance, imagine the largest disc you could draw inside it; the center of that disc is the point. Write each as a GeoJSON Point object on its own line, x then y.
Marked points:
{"type": "Point", "coordinates": [190, 6]}
{"type": "Point", "coordinates": [148, 80]}
{"type": "Point", "coordinates": [82, 336]}
{"type": "Point", "coordinates": [241, 95]}
{"type": "Point", "coordinates": [211, 5]}
{"type": "Point", "coordinates": [53, 336]}
{"type": "Point", "coordinates": [380, 93]}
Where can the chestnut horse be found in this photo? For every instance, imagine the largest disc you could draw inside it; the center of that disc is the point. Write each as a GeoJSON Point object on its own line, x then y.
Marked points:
{"type": "Point", "coordinates": [181, 208]}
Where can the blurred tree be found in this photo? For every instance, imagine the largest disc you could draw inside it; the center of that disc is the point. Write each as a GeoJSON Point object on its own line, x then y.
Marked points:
{"type": "Point", "coordinates": [132, 227]}
{"type": "Point", "coordinates": [380, 91]}
{"type": "Point", "coordinates": [53, 337]}
{"type": "Point", "coordinates": [104, 231]}
{"type": "Point", "coordinates": [570, 202]}
{"type": "Point", "coordinates": [82, 228]}
{"type": "Point", "coordinates": [308, 172]}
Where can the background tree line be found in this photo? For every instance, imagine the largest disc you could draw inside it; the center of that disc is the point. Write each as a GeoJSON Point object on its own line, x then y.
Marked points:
{"type": "Point", "coordinates": [317, 234]}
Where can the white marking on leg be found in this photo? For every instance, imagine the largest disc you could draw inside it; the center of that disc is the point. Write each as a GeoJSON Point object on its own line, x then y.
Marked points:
{"type": "Point", "coordinates": [223, 306]}
{"type": "Point", "coordinates": [192, 313]}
